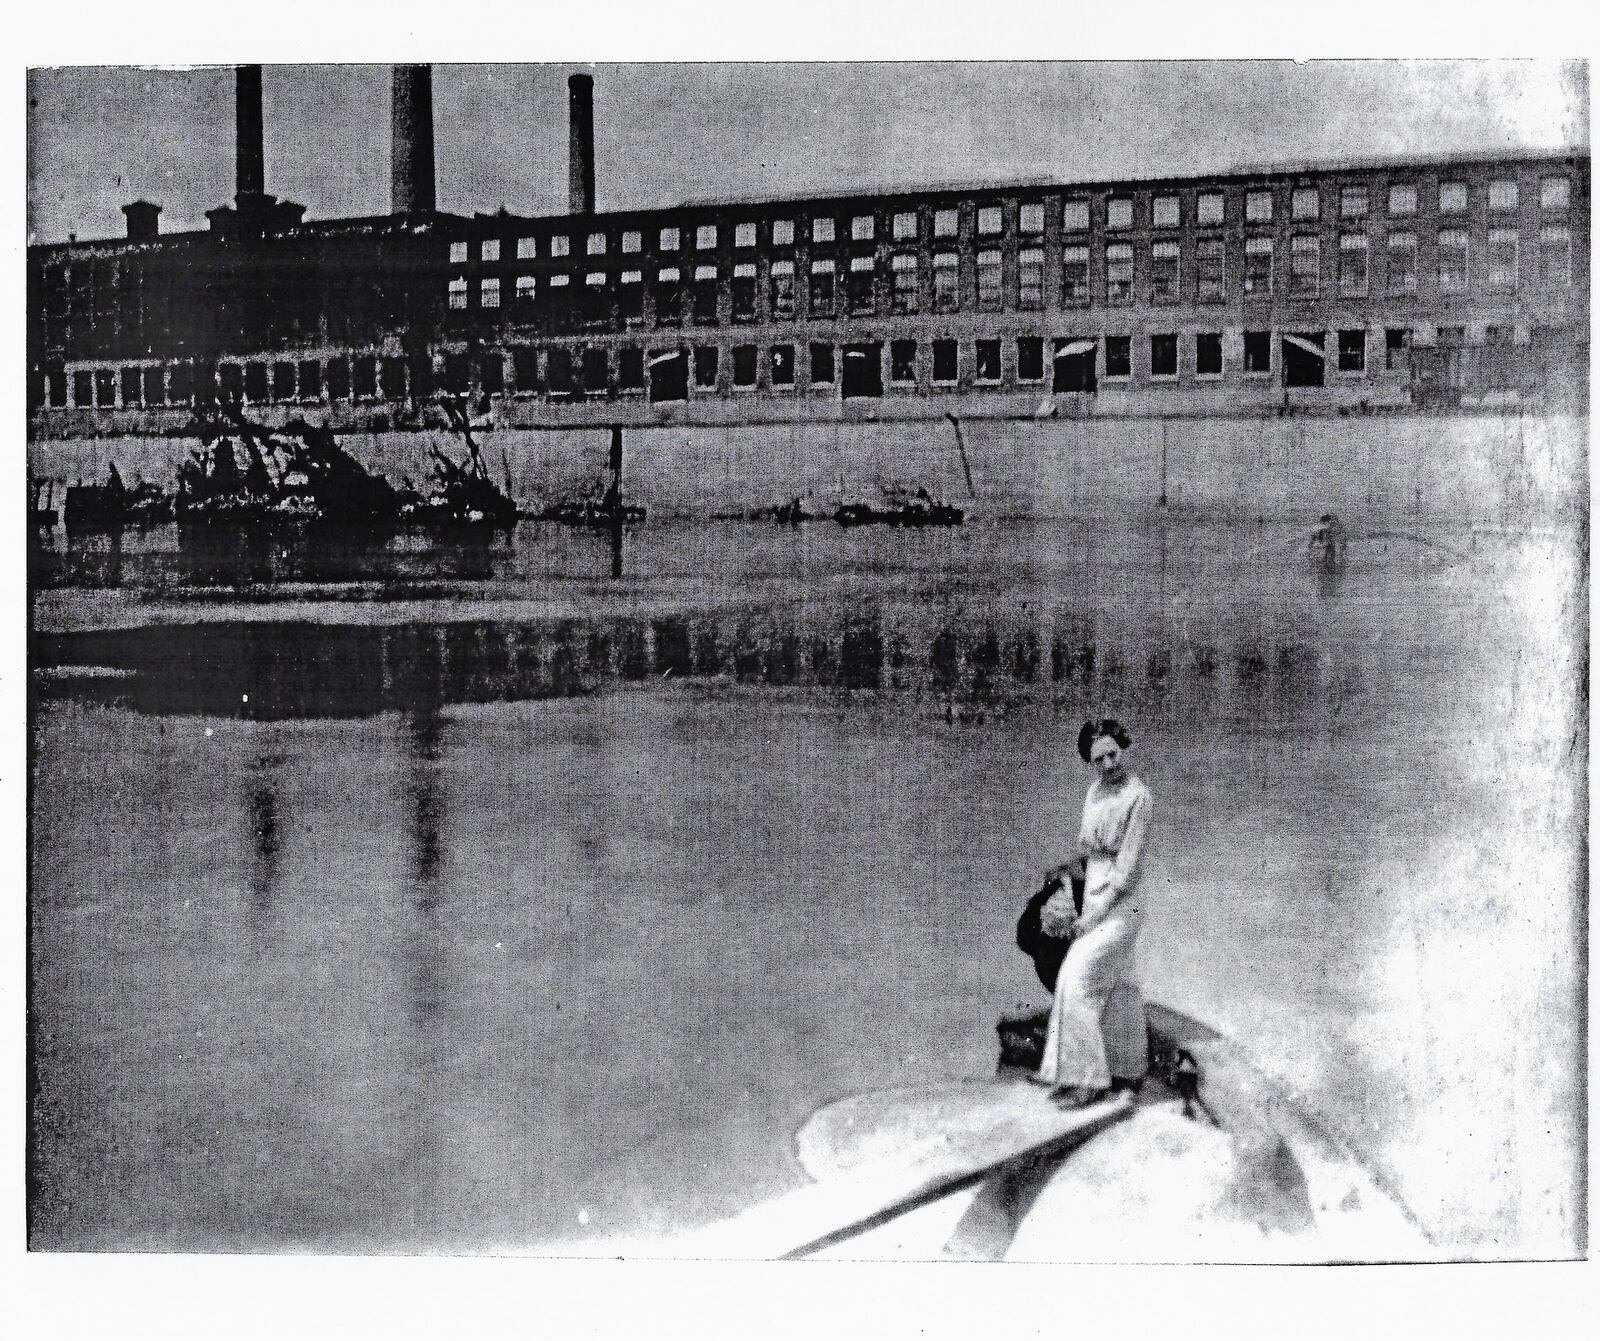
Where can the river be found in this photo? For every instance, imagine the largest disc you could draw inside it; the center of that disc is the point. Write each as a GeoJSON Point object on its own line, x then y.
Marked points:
{"type": "Point", "coordinates": [402, 896]}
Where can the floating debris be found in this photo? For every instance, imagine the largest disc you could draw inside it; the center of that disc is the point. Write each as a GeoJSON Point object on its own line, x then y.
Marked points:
{"type": "Point", "coordinates": [901, 508]}
{"type": "Point", "coordinates": [462, 494]}
{"type": "Point", "coordinates": [113, 505]}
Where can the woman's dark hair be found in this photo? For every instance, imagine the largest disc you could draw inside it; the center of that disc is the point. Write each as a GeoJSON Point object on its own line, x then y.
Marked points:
{"type": "Point", "coordinates": [1094, 728]}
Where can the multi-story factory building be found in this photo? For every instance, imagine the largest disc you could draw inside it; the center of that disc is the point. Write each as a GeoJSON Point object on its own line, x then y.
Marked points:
{"type": "Point", "coordinates": [1419, 282]}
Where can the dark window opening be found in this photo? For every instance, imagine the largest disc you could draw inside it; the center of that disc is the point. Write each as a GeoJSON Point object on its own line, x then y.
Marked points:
{"type": "Point", "coordinates": [457, 375]}
{"type": "Point", "coordinates": [560, 375]}
{"type": "Point", "coordinates": [1119, 355]}
{"type": "Point", "coordinates": [705, 302]}
{"type": "Point", "coordinates": [132, 386]}
{"type": "Point", "coordinates": [630, 370]}
{"type": "Point", "coordinates": [421, 377]}
{"type": "Point", "coordinates": [744, 298]}
{"type": "Point", "coordinates": [282, 381]}
{"type": "Point", "coordinates": [1302, 358]}
{"type": "Point", "coordinates": [596, 371]}
{"type": "Point", "coordinates": [56, 394]}
{"type": "Point", "coordinates": [669, 375]}
{"type": "Point", "coordinates": [1163, 356]}
{"type": "Point", "coordinates": [365, 377]}
{"type": "Point", "coordinates": [230, 381]}
{"type": "Point", "coordinates": [988, 361]}
{"type": "Point", "coordinates": [525, 369]}
{"type": "Point", "coordinates": [255, 382]}
{"type": "Point", "coordinates": [744, 365]}
{"type": "Point", "coordinates": [783, 296]}
{"type": "Point", "coordinates": [863, 370]}
{"type": "Point", "coordinates": [860, 293]}
{"type": "Point", "coordinates": [669, 304]}
{"type": "Point", "coordinates": [782, 365]}
{"type": "Point", "coordinates": [492, 373]}
{"type": "Point", "coordinates": [1352, 351]}
{"type": "Point", "coordinates": [339, 378]}
{"type": "Point", "coordinates": [822, 293]}
{"type": "Point", "coordinates": [945, 364]}
{"type": "Point", "coordinates": [1030, 359]}
{"type": "Point", "coordinates": [823, 372]}
{"type": "Point", "coordinates": [181, 388]}
{"type": "Point", "coordinates": [1397, 349]}
{"type": "Point", "coordinates": [630, 305]}
{"type": "Point", "coordinates": [1258, 351]}
{"type": "Point", "coordinates": [903, 361]}
{"type": "Point", "coordinates": [1074, 368]}
{"type": "Point", "coordinates": [1208, 354]}
{"type": "Point", "coordinates": [308, 379]}
{"type": "Point", "coordinates": [392, 378]}
{"type": "Point", "coordinates": [946, 282]}
{"type": "Point", "coordinates": [705, 367]}
{"type": "Point", "coordinates": [82, 388]}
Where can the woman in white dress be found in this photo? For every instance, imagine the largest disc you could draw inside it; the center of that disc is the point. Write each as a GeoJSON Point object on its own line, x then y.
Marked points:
{"type": "Point", "coordinates": [1096, 1035]}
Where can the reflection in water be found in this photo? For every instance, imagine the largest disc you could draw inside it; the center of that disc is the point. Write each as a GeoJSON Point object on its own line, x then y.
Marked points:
{"type": "Point", "coordinates": [424, 729]}
{"type": "Point", "coordinates": [991, 655]}
{"type": "Point", "coordinates": [262, 811]}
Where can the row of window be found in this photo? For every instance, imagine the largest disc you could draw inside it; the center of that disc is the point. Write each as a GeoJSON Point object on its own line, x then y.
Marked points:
{"type": "Point", "coordinates": [605, 300]}
{"type": "Point", "coordinates": [1166, 211]}
{"type": "Point", "coordinates": [1067, 363]}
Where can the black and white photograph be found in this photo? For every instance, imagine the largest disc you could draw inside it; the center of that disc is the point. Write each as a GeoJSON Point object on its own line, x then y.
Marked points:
{"type": "Point", "coordinates": [887, 661]}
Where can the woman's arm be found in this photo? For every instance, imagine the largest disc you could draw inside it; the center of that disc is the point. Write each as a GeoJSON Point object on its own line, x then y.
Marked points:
{"type": "Point", "coordinates": [1125, 870]}
{"type": "Point", "coordinates": [1125, 867]}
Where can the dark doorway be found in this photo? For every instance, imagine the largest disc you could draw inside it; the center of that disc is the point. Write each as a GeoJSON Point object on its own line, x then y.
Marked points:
{"type": "Point", "coordinates": [863, 370]}
{"type": "Point", "coordinates": [1303, 358]}
{"type": "Point", "coordinates": [1074, 366]}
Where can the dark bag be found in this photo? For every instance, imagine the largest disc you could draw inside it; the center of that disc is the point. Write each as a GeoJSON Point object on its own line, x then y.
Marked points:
{"type": "Point", "coordinates": [1045, 950]}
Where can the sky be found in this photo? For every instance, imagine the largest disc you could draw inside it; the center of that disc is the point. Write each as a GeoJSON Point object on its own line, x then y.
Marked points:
{"type": "Point", "coordinates": [99, 137]}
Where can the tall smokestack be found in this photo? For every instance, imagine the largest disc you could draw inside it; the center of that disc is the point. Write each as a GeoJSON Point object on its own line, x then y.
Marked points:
{"type": "Point", "coordinates": [580, 144]}
{"type": "Point", "coordinates": [411, 149]}
{"type": "Point", "coordinates": [249, 169]}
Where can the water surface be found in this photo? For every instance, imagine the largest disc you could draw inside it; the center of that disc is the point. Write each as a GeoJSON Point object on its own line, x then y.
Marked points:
{"type": "Point", "coordinates": [391, 895]}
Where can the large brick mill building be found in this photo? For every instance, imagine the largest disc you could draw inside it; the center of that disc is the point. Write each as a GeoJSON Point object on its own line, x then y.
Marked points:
{"type": "Point", "coordinates": [1458, 281]}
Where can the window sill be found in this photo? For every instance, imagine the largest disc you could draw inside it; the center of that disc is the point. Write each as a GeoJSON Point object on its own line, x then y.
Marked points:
{"type": "Point", "coordinates": [1208, 377]}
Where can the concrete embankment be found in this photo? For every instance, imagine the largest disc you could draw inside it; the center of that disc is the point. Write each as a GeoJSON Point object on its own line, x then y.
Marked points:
{"type": "Point", "coordinates": [1383, 468]}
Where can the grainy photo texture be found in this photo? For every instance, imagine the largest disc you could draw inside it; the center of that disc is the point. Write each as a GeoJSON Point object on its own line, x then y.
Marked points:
{"type": "Point", "coordinates": [878, 661]}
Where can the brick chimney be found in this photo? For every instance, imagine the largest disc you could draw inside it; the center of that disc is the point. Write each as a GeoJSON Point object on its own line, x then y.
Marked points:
{"type": "Point", "coordinates": [249, 162]}
{"type": "Point", "coordinates": [580, 144]}
{"type": "Point", "coordinates": [411, 147]}
{"type": "Point", "coordinates": [144, 223]}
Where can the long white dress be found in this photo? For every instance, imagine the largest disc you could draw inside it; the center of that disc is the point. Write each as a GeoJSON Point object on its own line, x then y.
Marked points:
{"type": "Point", "coordinates": [1097, 1021]}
